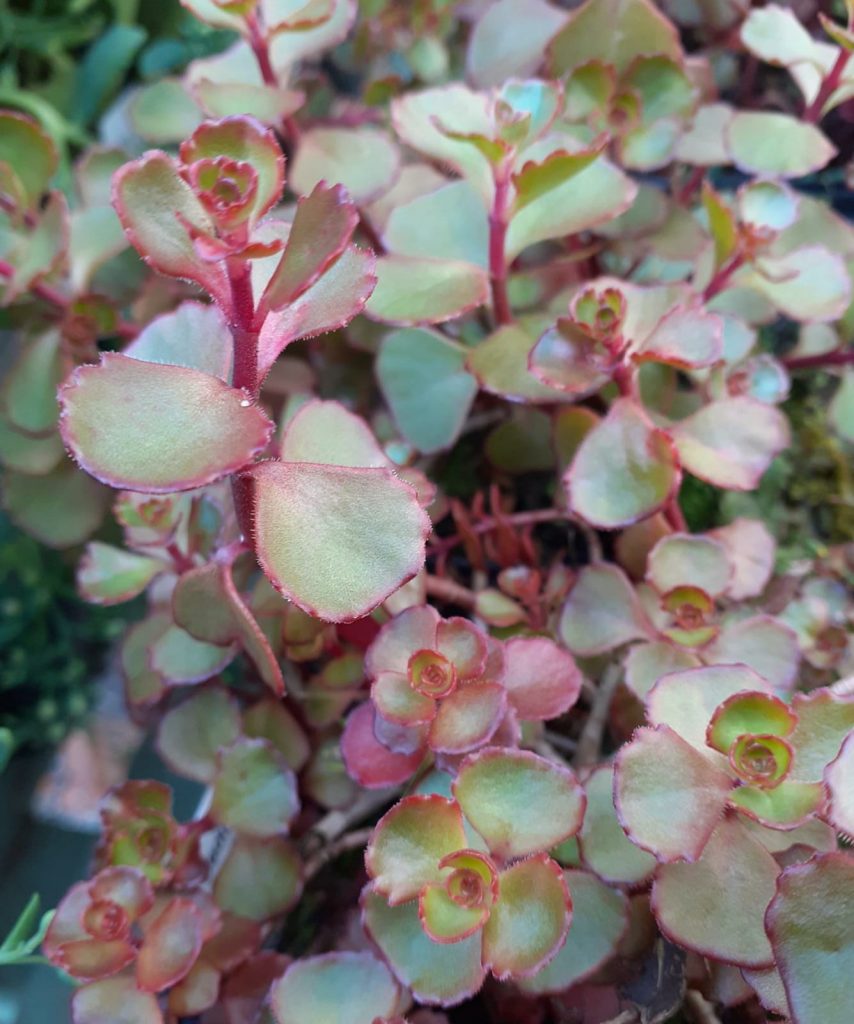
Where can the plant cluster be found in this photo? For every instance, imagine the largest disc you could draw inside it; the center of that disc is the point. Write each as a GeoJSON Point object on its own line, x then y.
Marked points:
{"type": "Point", "coordinates": [396, 369]}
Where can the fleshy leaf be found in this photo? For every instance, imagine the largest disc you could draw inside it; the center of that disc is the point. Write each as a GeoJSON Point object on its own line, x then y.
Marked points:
{"type": "Point", "coordinates": [601, 612]}
{"type": "Point", "coordinates": [684, 558]}
{"type": "Point", "coordinates": [645, 664]}
{"type": "Point", "coordinates": [730, 443]}
{"type": "Point", "coordinates": [370, 763]}
{"type": "Point", "coordinates": [29, 388]}
{"type": "Point", "coordinates": [624, 471]}
{"type": "Point", "coordinates": [748, 713]}
{"type": "Point", "coordinates": [411, 290]}
{"type": "Point", "coordinates": [809, 921]}
{"type": "Point", "coordinates": [270, 719]}
{"type": "Point", "coordinates": [447, 921]}
{"type": "Point", "coordinates": [669, 797]}
{"type": "Point", "coordinates": [337, 988]}
{"type": "Point", "coordinates": [788, 805]}
{"type": "Point", "coordinates": [193, 335]}
{"type": "Point", "coordinates": [408, 843]}
{"type": "Point", "coordinates": [423, 378]}
{"type": "Point", "coordinates": [254, 791]}
{"type": "Point", "coordinates": [600, 918]}
{"type": "Point", "coordinates": [436, 972]}
{"type": "Point", "coordinates": [115, 1001]}
{"type": "Point", "coordinates": [120, 419]}
{"type": "Point", "coordinates": [509, 39]}
{"type": "Point", "coordinates": [30, 151]}
{"type": "Point", "coordinates": [751, 549]}
{"type": "Point", "coordinates": [530, 919]}
{"type": "Point", "coordinates": [824, 721]}
{"type": "Point", "coordinates": [259, 878]}
{"type": "Point", "coordinates": [716, 906]}
{"type": "Point", "coordinates": [336, 540]}
{"type": "Point", "coordinates": [542, 679]}
{"type": "Point", "coordinates": [604, 848]}
{"type": "Point", "coordinates": [809, 284]}
{"type": "Point", "coordinates": [774, 144]}
{"type": "Point", "coordinates": [108, 575]}
{"type": "Point", "coordinates": [500, 363]}
{"type": "Point", "coordinates": [468, 718]}
{"type": "Point", "coordinates": [191, 733]}
{"type": "Point", "coordinates": [171, 945]}
{"type": "Point", "coordinates": [180, 658]}
{"type": "Point", "coordinates": [761, 642]}
{"type": "Point", "coordinates": [362, 159]}
{"type": "Point", "coordinates": [520, 803]}
{"type": "Point", "coordinates": [59, 508]}
{"type": "Point", "coordinates": [327, 432]}
{"type": "Point", "coordinates": [837, 780]}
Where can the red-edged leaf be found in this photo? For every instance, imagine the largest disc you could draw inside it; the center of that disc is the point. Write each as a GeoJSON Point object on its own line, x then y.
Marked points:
{"type": "Point", "coordinates": [542, 679]}
{"type": "Point", "coordinates": [115, 1001]}
{"type": "Point", "coordinates": [170, 947]}
{"type": "Point", "coordinates": [468, 718]}
{"type": "Point", "coordinates": [254, 791]}
{"type": "Point", "coordinates": [158, 428]}
{"type": "Point", "coordinates": [368, 762]}
{"type": "Point", "coordinates": [349, 988]}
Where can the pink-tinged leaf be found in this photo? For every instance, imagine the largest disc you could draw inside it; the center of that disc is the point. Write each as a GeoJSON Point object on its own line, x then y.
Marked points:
{"type": "Point", "coordinates": [60, 508]}
{"type": "Point", "coordinates": [196, 992]}
{"type": "Point", "coordinates": [603, 845]}
{"type": "Point", "coordinates": [569, 360]}
{"type": "Point", "coordinates": [40, 250]}
{"type": "Point", "coordinates": [327, 432]}
{"type": "Point", "coordinates": [839, 784]}
{"type": "Point", "coordinates": [809, 284]}
{"type": "Point", "coordinates": [259, 878]}
{"type": "Point", "coordinates": [252, 638]}
{"type": "Point", "coordinates": [645, 664]}
{"type": "Point", "coordinates": [193, 335]}
{"type": "Point", "coordinates": [602, 612]}
{"type": "Point", "coordinates": [501, 364]}
{"type": "Point", "coordinates": [412, 291]}
{"type": "Point", "coordinates": [243, 139]}
{"type": "Point", "coordinates": [397, 701]}
{"type": "Point", "coordinates": [323, 226]}
{"type": "Point", "coordinates": [408, 843]}
{"type": "Point", "coordinates": [331, 302]}
{"type": "Point", "coordinates": [414, 629]}
{"type": "Point", "coordinates": [347, 988]}
{"type": "Point", "coordinates": [154, 204]}
{"type": "Point", "coordinates": [143, 686]}
{"type": "Point", "coordinates": [809, 922]}
{"type": "Point", "coordinates": [530, 919]}
{"type": "Point", "coordinates": [367, 761]}
{"type": "Point", "coordinates": [625, 469]}
{"type": "Point", "coordinates": [686, 338]}
{"type": "Point", "coordinates": [170, 947]}
{"type": "Point", "coordinates": [685, 701]}
{"type": "Point", "coordinates": [751, 549]}
{"type": "Point", "coordinates": [768, 986]}
{"type": "Point", "coordinates": [108, 575]}
{"type": "Point", "coordinates": [179, 658]}
{"type": "Point", "coordinates": [824, 721]}
{"type": "Point", "coordinates": [716, 906]}
{"type": "Point", "coordinates": [269, 719]}
{"type": "Point", "coordinates": [443, 919]}
{"type": "Point", "coordinates": [683, 558]}
{"type": "Point", "coordinates": [669, 797]}
{"type": "Point", "coordinates": [443, 973]}
{"type": "Point", "coordinates": [798, 147]}
{"type": "Point", "coordinates": [190, 734]}
{"type": "Point", "coordinates": [763, 643]}
{"type": "Point", "coordinates": [157, 428]}
{"type": "Point", "coordinates": [787, 806]}
{"type": "Point", "coordinates": [337, 540]}
{"type": "Point", "coordinates": [518, 802]}
{"type": "Point", "coordinates": [115, 1001]}
{"type": "Point", "coordinates": [600, 919]}
{"type": "Point", "coordinates": [542, 679]}
{"type": "Point", "coordinates": [463, 644]}
{"type": "Point", "coordinates": [468, 718]}
{"type": "Point", "coordinates": [730, 443]}
{"type": "Point", "coordinates": [254, 791]}
{"type": "Point", "coordinates": [89, 959]}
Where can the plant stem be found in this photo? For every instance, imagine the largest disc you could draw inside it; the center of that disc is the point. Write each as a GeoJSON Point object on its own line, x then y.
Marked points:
{"type": "Point", "coordinates": [55, 298]}
{"type": "Point", "coordinates": [541, 515]}
{"type": "Point", "coordinates": [841, 357]}
{"type": "Point", "coordinates": [349, 841]}
{"type": "Point", "coordinates": [590, 742]}
{"type": "Point", "coordinates": [829, 85]}
{"type": "Point", "coordinates": [497, 262]}
{"type": "Point", "coordinates": [447, 590]}
{"type": "Point", "coordinates": [673, 514]}
{"type": "Point", "coordinates": [694, 180]}
{"type": "Point", "coordinates": [721, 278]}
{"type": "Point", "coordinates": [261, 49]}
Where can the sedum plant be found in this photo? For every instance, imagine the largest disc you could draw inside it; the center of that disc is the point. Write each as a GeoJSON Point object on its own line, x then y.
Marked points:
{"type": "Point", "coordinates": [434, 385]}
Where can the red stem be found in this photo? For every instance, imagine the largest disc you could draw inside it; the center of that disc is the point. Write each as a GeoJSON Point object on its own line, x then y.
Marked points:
{"type": "Point", "coordinates": [812, 114]}
{"type": "Point", "coordinates": [448, 590]}
{"type": "Point", "coordinates": [673, 514]}
{"type": "Point", "coordinates": [54, 297]}
{"type": "Point", "coordinates": [260, 47]}
{"type": "Point", "coordinates": [183, 563]}
{"type": "Point", "coordinates": [838, 358]}
{"type": "Point", "coordinates": [497, 262]}
{"type": "Point", "coordinates": [721, 278]}
{"type": "Point", "coordinates": [540, 515]}
{"type": "Point", "coordinates": [694, 180]}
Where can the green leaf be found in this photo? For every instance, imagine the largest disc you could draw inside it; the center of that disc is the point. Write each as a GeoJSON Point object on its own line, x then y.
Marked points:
{"type": "Point", "coordinates": [108, 575]}
{"type": "Point", "coordinates": [26, 934]}
{"type": "Point", "coordinates": [500, 363]}
{"type": "Point", "coordinates": [448, 223]}
{"type": "Point", "coordinates": [815, 951]}
{"type": "Point", "coordinates": [115, 1000]}
{"type": "Point", "coordinates": [29, 390]}
{"type": "Point", "coordinates": [730, 443]}
{"type": "Point", "coordinates": [33, 456]}
{"type": "Point", "coordinates": [164, 113]}
{"type": "Point", "coordinates": [103, 69]}
{"type": "Point", "coordinates": [682, 558]}
{"type": "Point", "coordinates": [624, 471]}
{"type": "Point", "coordinates": [645, 664]}
{"type": "Point", "coordinates": [669, 797]}
{"type": "Point", "coordinates": [336, 540]}
{"type": "Point", "coordinates": [788, 805]}
{"type": "Point", "coordinates": [716, 906]}
{"type": "Point", "coordinates": [518, 802]}
{"type": "Point", "coordinates": [809, 284]}
{"type": "Point", "coordinates": [748, 713]}
{"type": "Point", "coordinates": [530, 918]}
{"type": "Point", "coordinates": [179, 658]}
{"type": "Point", "coordinates": [259, 878]}
{"type": "Point", "coordinates": [336, 988]}
{"type": "Point", "coordinates": [364, 160]}
{"type": "Point", "coordinates": [837, 781]}
{"type": "Point", "coordinates": [194, 335]}
{"type": "Point", "coordinates": [408, 843]}
{"type": "Point", "coordinates": [60, 508]}
{"type": "Point", "coordinates": [422, 377]}
{"type": "Point", "coordinates": [774, 144]}
{"type": "Point", "coordinates": [411, 290]}
{"type": "Point", "coordinates": [254, 791]}
{"type": "Point", "coordinates": [509, 38]}
{"type": "Point", "coordinates": [537, 179]}
{"type": "Point", "coordinates": [29, 151]}
{"type": "Point", "coordinates": [824, 720]}
{"type": "Point", "coordinates": [468, 718]}
{"type": "Point", "coordinates": [122, 418]}
{"type": "Point", "coordinates": [600, 918]}
{"type": "Point", "coordinates": [601, 612]}
{"type": "Point", "coordinates": [191, 733]}
{"type": "Point", "coordinates": [603, 845]}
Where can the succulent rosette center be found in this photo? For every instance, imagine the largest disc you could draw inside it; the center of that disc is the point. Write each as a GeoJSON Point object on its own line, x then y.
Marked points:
{"type": "Point", "coordinates": [432, 674]}
{"type": "Point", "coordinates": [471, 880]}
{"type": "Point", "coordinates": [226, 188]}
{"type": "Point", "coordinates": [691, 616]}
{"type": "Point", "coordinates": [104, 919]}
{"type": "Point", "coordinates": [762, 760]}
